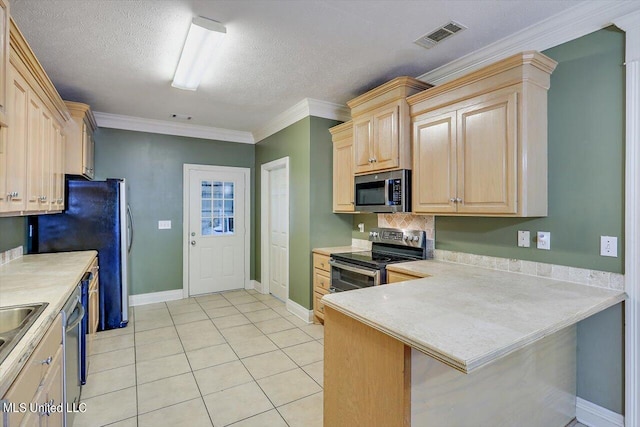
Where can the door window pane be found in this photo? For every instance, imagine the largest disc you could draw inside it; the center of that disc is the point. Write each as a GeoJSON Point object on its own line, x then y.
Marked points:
{"type": "Point", "coordinates": [217, 208]}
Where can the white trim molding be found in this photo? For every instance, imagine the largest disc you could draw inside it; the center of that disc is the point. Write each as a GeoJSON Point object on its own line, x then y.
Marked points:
{"type": "Point", "coordinates": [138, 124]}
{"type": "Point", "coordinates": [630, 23]}
{"type": "Point", "coordinates": [186, 169]}
{"type": "Point", "coordinates": [299, 311]}
{"type": "Point", "coordinates": [596, 416]}
{"type": "Point", "coordinates": [577, 21]}
{"type": "Point", "coordinates": [257, 286]}
{"type": "Point", "coordinates": [154, 297]}
{"type": "Point", "coordinates": [304, 108]}
{"type": "Point", "coordinates": [265, 212]}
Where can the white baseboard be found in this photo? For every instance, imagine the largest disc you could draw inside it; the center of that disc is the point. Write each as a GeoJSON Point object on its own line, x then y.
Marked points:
{"type": "Point", "coordinates": [249, 284]}
{"type": "Point", "coordinates": [258, 287]}
{"type": "Point", "coordinates": [596, 416]}
{"type": "Point", "coordinates": [300, 311]}
{"type": "Point", "coordinates": [153, 297]}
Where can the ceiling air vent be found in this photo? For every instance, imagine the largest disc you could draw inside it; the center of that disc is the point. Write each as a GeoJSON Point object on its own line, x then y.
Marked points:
{"type": "Point", "coordinates": [434, 37]}
{"type": "Point", "coordinates": [180, 116]}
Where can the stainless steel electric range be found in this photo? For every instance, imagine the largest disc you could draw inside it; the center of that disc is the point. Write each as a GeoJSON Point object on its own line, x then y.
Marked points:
{"type": "Point", "coordinates": [356, 270]}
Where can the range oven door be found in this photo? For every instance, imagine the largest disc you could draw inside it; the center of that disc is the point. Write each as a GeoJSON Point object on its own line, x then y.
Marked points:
{"type": "Point", "coordinates": [347, 277]}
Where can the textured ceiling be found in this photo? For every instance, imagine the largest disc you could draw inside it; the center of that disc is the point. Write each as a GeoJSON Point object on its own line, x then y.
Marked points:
{"type": "Point", "coordinates": [120, 56]}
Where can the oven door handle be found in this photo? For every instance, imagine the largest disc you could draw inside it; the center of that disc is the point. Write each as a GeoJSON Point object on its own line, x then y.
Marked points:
{"type": "Point", "coordinates": [368, 273]}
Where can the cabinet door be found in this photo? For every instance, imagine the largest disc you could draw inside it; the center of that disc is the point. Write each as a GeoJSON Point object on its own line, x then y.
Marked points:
{"type": "Point", "coordinates": [343, 183]}
{"type": "Point", "coordinates": [4, 59]}
{"type": "Point", "coordinates": [88, 147]}
{"type": "Point", "coordinates": [34, 153]}
{"type": "Point", "coordinates": [15, 147]}
{"type": "Point", "coordinates": [386, 139]}
{"type": "Point", "coordinates": [47, 152]}
{"type": "Point", "coordinates": [487, 175]}
{"type": "Point", "coordinates": [362, 133]}
{"type": "Point", "coordinates": [434, 164]}
{"type": "Point", "coordinates": [56, 198]}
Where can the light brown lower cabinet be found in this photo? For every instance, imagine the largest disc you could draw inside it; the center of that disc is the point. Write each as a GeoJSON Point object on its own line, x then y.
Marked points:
{"type": "Point", "coordinates": [94, 307]}
{"type": "Point", "coordinates": [321, 284]}
{"type": "Point", "coordinates": [395, 277]}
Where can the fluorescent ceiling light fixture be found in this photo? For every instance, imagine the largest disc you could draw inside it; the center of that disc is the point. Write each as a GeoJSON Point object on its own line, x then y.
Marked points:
{"type": "Point", "coordinates": [203, 38]}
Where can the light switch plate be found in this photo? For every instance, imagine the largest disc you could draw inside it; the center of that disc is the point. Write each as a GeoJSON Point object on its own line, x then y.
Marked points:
{"type": "Point", "coordinates": [524, 239]}
{"type": "Point", "coordinates": [164, 225]}
{"type": "Point", "coordinates": [544, 240]}
{"type": "Point", "coordinates": [609, 246]}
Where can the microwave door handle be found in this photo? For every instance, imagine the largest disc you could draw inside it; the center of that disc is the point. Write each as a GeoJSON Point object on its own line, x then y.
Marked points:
{"type": "Point", "coordinates": [387, 197]}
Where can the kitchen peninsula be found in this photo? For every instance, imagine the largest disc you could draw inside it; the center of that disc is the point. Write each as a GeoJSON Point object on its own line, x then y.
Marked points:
{"type": "Point", "coordinates": [463, 346]}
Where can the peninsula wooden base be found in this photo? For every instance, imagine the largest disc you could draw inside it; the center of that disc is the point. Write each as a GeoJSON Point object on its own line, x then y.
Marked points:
{"type": "Point", "coordinates": [372, 379]}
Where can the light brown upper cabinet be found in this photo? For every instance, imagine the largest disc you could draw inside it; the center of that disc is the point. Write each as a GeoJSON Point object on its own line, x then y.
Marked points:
{"type": "Point", "coordinates": [4, 59]}
{"type": "Point", "coordinates": [381, 126]}
{"type": "Point", "coordinates": [343, 183]}
{"type": "Point", "coordinates": [80, 142]}
{"type": "Point", "coordinates": [32, 145]}
{"type": "Point", "coordinates": [480, 141]}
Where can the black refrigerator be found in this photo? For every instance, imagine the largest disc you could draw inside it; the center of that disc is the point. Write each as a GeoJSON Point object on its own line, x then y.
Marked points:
{"type": "Point", "coordinates": [97, 217]}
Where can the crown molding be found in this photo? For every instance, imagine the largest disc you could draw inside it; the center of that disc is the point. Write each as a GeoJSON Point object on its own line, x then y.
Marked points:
{"type": "Point", "coordinates": [575, 22]}
{"type": "Point", "coordinates": [304, 108]}
{"type": "Point", "coordinates": [116, 121]}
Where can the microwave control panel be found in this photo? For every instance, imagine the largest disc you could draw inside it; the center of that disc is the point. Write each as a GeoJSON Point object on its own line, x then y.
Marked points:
{"type": "Point", "coordinates": [395, 190]}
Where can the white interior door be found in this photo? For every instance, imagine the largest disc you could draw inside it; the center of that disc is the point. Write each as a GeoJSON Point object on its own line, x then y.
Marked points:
{"type": "Point", "coordinates": [278, 233]}
{"type": "Point", "coordinates": [216, 231]}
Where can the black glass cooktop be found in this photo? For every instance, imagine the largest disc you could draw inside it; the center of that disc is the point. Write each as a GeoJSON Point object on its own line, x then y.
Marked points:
{"type": "Point", "coordinates": [370, 259]}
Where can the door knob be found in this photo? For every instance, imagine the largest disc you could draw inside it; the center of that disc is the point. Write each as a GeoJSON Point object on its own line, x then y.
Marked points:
{"type": "Point", "coordinates": [193, 233]}
{"type": "Point", "coordinates": [193, 243]}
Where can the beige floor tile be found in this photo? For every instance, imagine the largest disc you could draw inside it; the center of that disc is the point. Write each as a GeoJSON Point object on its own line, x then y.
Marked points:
{"type": "Point", "coordinates": [273, 302]}
{"type": "Point", "coordinates": [251, 291]}
{"type": "Point", "coordinates": [266, 419]}
{"type": "Point", "coordinates": [155, 335]}
{"type": "Point", "coordinates": [185, 308]}
{"type": "Point", "coordinates": [108, 408]}
{"type": "Point", "coordinates": [304, 354]}
{"type": "Point", "coordinates": [111, 344]}
{"type": "Point", "coordinates": [242, 299]}
{"type": "Point", "coordinates": [210, 356]}
{"type": "Point", "coordinates": [199, 335]}
{"type": "Point", "coordinates": [210, 297]}
{"type": "Point", "coordinates": [182, 301]}
{"type": "Point", "coordinates": [316, 371]}
{"type": "Point", "coordinates": [264, 365]}
{"type": "Point", "coordinates": [290, 337]}
{"type": "Point", "coordinates": [156, 369]}
{"type": "Point", "coordinates": [281, 310]}
{"type": "Point", "coordinates": [149, 307]}
{"type": "Point", "coordinates": [158, 349]}
{"type": "Point", "coordinates": [288, 386]}
{"type": "Point", "coordinates": [274, 325]}
{"type": "Point", "coordinates": [262, 315]}
{"type": "Point", "coordinates": [263, 297]}
{"type": "Point", "coordinates": [240, 333]}
{"type": "Point", "coordinates": [192, 413]}
{"type": "Point", "coordinates": [306, 412]}
{"type": "Point", "coordinates": [190, 317]}
{"type": "Point", "coordinates": [221, 377]}
{"type": "Point", "coordinates": [165, 392]}
{"type": "Point", "coordinates": [296, 320]}
{"type": "Point", "coordinates": [237, 403]}
{"type": "Point", "coordinates": [321, 342]}
{"type": "Point", "coordinates": [252, 306]}
{"type": "Point", "coordinates": [221, 312]}
{"type": "Point", "coordinates": [108, 381]}
{"type": "Point", "coordinates": [145, 325]}
{"type": "Point", "coordinates": [113, 359]}
{"type": "Point", "coordinates": [129, 422]}
{"type": "Point", "coordinates": [153, 315]}
{"type": "Point", "coordinates": [115, 332]}
{"type": "Point", "coordinates": [218, 303]}
{"type": "Point", "coordinates": [253, 346]}
{"type": "Point", "coordinates": [234, 293]}
{"type": "Point", "coordinates": [315, 331]}
{"type": "Point", "coordinates": [230, 321]}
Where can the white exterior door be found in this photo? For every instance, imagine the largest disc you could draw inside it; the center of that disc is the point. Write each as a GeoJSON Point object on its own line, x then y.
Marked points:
{"type": "Point", "coordinates": [216, 231]}
{"type": "Point", "coordinates": [278, 233]}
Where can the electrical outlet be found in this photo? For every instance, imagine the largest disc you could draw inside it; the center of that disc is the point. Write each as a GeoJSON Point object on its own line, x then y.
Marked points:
{"type": "Point", "coordinates": [164, 225]}
{"type": "Point", "coordinates": [609, 246]}
{"type": "Point", "coordinates": [524, 239]}
{"type": "Point", "coordinates": [544, 240]}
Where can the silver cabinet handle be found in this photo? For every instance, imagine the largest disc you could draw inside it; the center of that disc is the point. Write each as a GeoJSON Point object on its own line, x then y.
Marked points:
{"type": "Point", "coordinates": [193, 243]}
{"type": "Point", "coordinates": [458, 200]}
{"type": "Point", "coordinates": [46, 361]}
{"type": "Point", "coordinates": [452, 200]}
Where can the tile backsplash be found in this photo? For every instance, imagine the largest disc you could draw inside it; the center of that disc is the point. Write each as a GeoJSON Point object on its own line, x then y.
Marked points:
{"type": "Point", "coordinates": [408, 221]}
{"type": "Point", "coordinates": [10, 255]}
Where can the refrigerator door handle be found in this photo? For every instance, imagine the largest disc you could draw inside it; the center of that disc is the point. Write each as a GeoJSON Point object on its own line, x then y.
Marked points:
{"type": "Point", "coordinates": [130, 229]}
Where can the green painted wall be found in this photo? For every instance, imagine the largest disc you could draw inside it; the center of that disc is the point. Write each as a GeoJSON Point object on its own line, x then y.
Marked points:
{"type": "Point", "coordinates": [370, 221]}
{"type": "Point", "coordinates": [153, 167]}
{"type": "Point", "coordinates": [12, 233]}
{"type": "Point", "coordinates": [586, 198]}
{"type": "Point", "coordinates": [307, 143]}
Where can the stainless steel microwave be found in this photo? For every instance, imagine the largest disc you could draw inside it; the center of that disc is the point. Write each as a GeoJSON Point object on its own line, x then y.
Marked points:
{"type": "Point", "coordinates": [384, 192]}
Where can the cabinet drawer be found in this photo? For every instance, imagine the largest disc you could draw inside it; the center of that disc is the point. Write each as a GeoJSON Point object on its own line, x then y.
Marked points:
{"type": "Point", "coordinates": [321, 280]}
{"type": "Point", "coordinates": [318, 305]}
{"type": "Point", "coordinates": [394, 277]}
{"type": "Point", "coordinates": [321, 262]}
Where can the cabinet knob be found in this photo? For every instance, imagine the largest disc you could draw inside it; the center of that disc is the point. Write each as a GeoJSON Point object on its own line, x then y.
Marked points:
{"type": "Point", "coordinates": [458, 200]}
{"type": "Point", "coordinates": [374, 160]}
{"type": "Point", "coordinates": [452, 200]}
{"type": "Point", "coordinates": [46, 361]}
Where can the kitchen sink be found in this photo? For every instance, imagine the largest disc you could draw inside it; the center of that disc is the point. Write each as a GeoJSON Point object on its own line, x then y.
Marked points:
{"type": "Point", "coordinates": [14, 323]}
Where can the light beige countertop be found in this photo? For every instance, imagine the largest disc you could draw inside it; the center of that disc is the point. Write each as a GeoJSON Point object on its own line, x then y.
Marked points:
{"type": "Point", "coordinates": [469, 316]}
{"type": "Point", "coordinates": [338, 249]}
{"type": "Point", "coordinates": [49, 278]}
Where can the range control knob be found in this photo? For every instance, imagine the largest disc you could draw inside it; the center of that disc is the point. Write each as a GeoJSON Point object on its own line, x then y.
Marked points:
{"type": "Point", "coordinates": [405, 237]}
{"type": "Point", "coordinates": [415, 238]}
{"type": "Point", "coordinates": [373, 234]}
